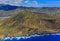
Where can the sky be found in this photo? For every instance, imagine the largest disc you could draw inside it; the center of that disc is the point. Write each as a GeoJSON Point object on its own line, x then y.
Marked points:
{"type": "Point", "coordinates": [32, 3]}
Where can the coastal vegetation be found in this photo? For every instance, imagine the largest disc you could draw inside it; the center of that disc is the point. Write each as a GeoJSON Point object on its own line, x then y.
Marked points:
{"type": "Point", "coordinates": [26, 23]}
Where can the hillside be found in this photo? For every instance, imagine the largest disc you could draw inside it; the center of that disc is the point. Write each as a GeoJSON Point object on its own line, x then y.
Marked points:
{"type": "Point", "coordinates": [27, 23]}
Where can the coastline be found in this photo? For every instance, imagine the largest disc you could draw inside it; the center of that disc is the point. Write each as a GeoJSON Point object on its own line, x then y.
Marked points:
{"type": "Point", "coordinates": [27, 37]}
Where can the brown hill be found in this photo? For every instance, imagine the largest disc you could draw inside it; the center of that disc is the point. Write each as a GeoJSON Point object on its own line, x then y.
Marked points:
{"type": "Point", "coordinates": [27, 23]}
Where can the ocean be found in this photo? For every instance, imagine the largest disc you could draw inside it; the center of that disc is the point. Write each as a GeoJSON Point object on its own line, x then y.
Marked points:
{"type": "Point", "coordinates": [48, 37]}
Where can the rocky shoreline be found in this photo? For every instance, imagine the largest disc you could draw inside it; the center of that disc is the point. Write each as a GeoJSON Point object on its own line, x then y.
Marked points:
{"type": "Point", "coordinates": [3, 37]}
{"type": "Point", "coordinates": [28, 36]}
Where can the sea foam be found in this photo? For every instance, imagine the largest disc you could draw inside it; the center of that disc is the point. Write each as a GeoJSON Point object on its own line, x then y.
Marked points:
{"type": "Point", "coordinates": [45, 37]}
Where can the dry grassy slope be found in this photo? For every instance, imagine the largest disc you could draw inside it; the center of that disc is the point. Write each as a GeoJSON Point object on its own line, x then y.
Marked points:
{"type": "Point", "coordinates": [26, 23]}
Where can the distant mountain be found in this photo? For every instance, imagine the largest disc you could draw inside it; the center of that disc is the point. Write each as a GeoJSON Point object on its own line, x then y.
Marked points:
{"type": "Point", "coordinates": [12, 7]}
{"type": "Point", "coordinates": [8, 10]}
{"type": "Point", "coordinates": [7, 7]}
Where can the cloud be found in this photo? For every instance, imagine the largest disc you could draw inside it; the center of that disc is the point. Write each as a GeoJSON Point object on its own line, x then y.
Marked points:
{"type": "Point", "coordinates": [20, 2]}
{"type": "Point", "coordinates": [11, 2]}
{"type": "Point", "coordinates": [30, 3]}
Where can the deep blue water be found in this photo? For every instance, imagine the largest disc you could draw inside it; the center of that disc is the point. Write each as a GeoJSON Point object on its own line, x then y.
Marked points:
{"type": "Point", "coordinates": [35, 38]}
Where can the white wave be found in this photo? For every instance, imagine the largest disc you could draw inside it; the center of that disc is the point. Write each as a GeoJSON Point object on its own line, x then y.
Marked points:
{"type": "Point", "coordinates": [7, 38]}
{"type": "Point", "coordinates": [26, 37]}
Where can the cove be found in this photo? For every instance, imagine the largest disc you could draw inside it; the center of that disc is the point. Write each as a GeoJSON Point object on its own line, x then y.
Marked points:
{"type": "Point", "coordinates": [48, 37]}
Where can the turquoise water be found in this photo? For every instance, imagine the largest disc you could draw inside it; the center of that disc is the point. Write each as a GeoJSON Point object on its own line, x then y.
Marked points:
{"type": "Point", "coordinates": [53, 37]}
